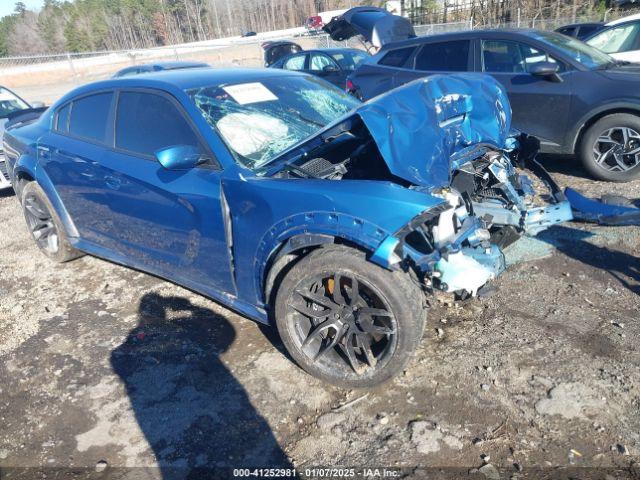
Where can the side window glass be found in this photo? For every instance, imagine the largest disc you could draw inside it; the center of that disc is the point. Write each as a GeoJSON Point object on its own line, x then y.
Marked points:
{"type": "Point", "coordinates": [397, 57]}
{"type": "Point", "coordinates": [499, 57]}
{"type": "Point", "coordinates": [444, 57]}
{"type": "Point", "coordinates": [318, 62]}
{"type": "Point", "coordinates": [146, 123]}
{"type": "Point", "coordinates": [89, 116]}
{"type": "Point", "coordinates": [62, 119]}
{"type": "Point", "coordinates": [531, 56]}
{"type": "Point", "coordinates": [570, 31]}
{"type": "Point", "coordinates": [617, 39]}
{"type": "Point", "coordinates": [295, 63]}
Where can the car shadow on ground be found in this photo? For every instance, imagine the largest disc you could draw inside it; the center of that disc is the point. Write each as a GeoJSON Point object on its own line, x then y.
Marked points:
{"type": "Point", "coordinates": [7, 192]}
{"type": "Point", "coordinates": [573, 243]}
{"type": "Point", "coordinates": [195, 415]}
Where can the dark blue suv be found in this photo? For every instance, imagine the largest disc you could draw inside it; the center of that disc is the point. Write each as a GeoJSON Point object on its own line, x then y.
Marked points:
{"type": "Point", "coordinates": [574, 98]}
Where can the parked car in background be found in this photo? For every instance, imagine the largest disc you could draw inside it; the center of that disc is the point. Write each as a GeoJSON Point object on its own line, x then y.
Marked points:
{"type": "Point", "coordinates": [157, 67]}
{"type": "Point", "coordinates": [573, 97]}
{"type": "Point", "coordinates": [276, 49]}
{"type": "Point", "coordinates": [287, 200]}
{"type": "Point", "coordinates": [248, 34]}
{"type": "Point", "coordinates": [331, 64]}
{"type": "Point", "coordinates": [13, 110]}
{"type": "Point", "coordinates": [581, 30]}
{"type": "Point", "coordinates": [375, 26]}
{"type": "Point", "coordinates": [620, 39]}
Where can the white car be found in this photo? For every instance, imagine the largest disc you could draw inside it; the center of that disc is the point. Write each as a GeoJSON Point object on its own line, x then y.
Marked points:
{"type": "Point", "coordinates": [619, 38]}
{"type": "Point", "coordinates": [10, 105]}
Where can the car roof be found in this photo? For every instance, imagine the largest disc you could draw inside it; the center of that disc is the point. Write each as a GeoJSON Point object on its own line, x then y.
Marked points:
{"type": "Point", "coordinates": [172, 65]}
{"type": "Point", "coordinates": [628, 18]}
{"type": "Point", "coordinates": [335, 50]}
{"type": "Point", "coordinates": [467, 34]}
{"type": "Point", "coordinates": [182, 79]}
{"type": "Point", "coordinates": [584, 24]}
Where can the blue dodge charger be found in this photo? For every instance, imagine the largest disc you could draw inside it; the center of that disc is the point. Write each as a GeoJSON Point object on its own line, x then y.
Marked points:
{"type": "Point", "coordinates": [288, 200]}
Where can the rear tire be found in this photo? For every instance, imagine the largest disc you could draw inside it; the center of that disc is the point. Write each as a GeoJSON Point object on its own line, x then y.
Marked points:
{"type": "Point", "coordinates": [350, 337]}
{"type": "Point", "coordinates": [610, 148]}
{"type": "Point", "coordinates": [45, 226]}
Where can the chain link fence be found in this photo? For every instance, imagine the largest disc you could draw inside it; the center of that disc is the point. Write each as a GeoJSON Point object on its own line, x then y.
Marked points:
{"type": "Point", "coordinates": [47, 77]}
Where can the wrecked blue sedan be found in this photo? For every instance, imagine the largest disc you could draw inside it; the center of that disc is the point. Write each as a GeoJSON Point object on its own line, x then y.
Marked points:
{"type": "Point", "coordinates": [287, 200]}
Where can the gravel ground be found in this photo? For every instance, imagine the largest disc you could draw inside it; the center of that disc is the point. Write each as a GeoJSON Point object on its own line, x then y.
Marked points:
{"type": "Point", "coordinates": [105, 367]}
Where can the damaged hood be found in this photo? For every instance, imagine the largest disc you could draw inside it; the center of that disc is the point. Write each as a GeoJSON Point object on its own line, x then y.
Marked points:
{"type": "Point", "coordinates": [421, 126]}
{"type": "Point", "coordinates": [376, 26]}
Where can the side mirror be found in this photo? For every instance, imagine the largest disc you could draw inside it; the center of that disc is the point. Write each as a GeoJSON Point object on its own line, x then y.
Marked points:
{"type": "Point", "coordinates": [546, 70]}
{"type": "Point", "coordinates": [329, 69]}
{"type": "Point", "coordinates": [37, 104]}
{"type": "Point", "coordinates": [180, 157]}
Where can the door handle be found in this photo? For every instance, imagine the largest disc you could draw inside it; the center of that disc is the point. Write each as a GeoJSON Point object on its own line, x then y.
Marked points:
{"type": "Point", "coordinates": [112, 182]}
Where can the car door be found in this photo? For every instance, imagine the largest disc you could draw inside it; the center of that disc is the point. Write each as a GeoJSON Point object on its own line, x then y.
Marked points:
{"type": "Point", "coordinates": [452, 56]}
{"type": "Point", "coordinates": [322, 65]}
{"type": "Point", "coordinates": [373, 78]}
{"type": "Point", "coordinates": [534, 100]}
{"type": "Point", "coordinates": [172, 221]}
{"type": "Point", "coordinates": [621, 41]}
{"type": "Point", "coordinates": [70, 153]}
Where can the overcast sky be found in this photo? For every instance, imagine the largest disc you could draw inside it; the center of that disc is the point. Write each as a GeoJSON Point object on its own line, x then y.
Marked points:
{"type": "Point", "coordinates": [8, 6]}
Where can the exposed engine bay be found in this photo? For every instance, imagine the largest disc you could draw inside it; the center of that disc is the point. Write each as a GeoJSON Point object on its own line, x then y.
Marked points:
{"type": "Point", "coordinates": [346, 151]}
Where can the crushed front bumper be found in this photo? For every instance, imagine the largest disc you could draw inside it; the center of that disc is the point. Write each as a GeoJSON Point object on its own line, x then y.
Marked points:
{"type": "Point", "coordinates": [469, 258]}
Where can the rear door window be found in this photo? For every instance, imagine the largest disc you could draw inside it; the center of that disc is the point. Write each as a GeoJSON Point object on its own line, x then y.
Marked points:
{"type": "Point", "coordinates": [62, 119]}
{"type": "Point", "coordinates": [318, 62]}
{"type": "Point", "coordinates": [444, 56]}
{"type": "Point", "coordinates": [89, 116]}
{"type": "Point", "coordinates": [569, 31]}
{"type": "Point", "coordinates": [146, 123]}
{"type": "Point", "coordinates": [295, 63]}
{"type": "Point", "coordinates": [398, 57]}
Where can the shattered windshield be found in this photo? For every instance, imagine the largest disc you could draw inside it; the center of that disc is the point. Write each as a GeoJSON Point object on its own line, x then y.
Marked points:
{"type": "Point", "coordinates": [10, 103]}
{"type": "Point", "coordinates": [259, 120]}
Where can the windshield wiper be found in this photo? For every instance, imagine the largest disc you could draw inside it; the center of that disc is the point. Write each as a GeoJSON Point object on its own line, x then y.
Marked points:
{"type": "Point", "coordinates": [301, 116]}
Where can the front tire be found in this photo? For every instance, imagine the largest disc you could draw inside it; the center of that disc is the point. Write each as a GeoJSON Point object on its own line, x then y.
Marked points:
{"type": "Point", "coordinates": [45, 226]}
{"type": "Point", "coordinates": [348, 321]}
{"type": "Point", "coordinates": [610, 148]}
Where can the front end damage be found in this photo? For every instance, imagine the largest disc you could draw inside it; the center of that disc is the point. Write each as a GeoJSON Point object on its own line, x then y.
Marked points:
{"type": "Point", "coordinates": [449, 138]}
{"type": "Point", "coordinates": [457, 246]}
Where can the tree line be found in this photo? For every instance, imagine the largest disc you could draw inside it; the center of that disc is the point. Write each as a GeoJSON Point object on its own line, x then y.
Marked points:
{"type": "Point", "coordinates": [92, 25]}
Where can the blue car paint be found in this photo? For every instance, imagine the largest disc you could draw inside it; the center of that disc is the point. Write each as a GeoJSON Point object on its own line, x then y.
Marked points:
{"type": "Point", "coordinates": [275, 210]}
{"type": "Point", "coordinates": [414, 140]}
{"type": "Point", "coordinates": [172, 223]}
{"type": "Point", "coordinates": [607, 214]}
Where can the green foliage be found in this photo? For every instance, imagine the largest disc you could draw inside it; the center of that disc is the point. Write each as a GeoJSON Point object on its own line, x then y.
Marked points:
{"type": "Point", "coordinates": [6, 27]}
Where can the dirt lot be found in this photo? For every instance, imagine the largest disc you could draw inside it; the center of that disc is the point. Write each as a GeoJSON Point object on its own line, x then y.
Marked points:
{"type": "Point", "coordinates": [102, 366]}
